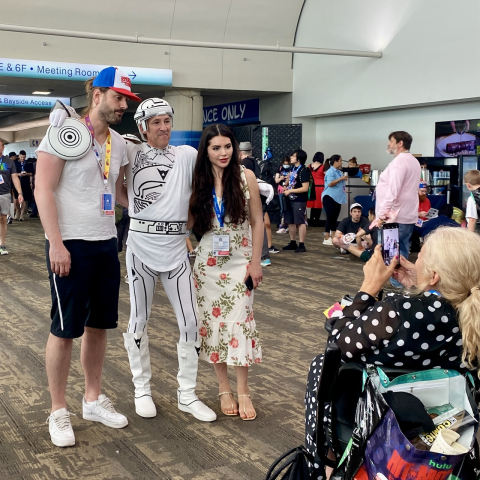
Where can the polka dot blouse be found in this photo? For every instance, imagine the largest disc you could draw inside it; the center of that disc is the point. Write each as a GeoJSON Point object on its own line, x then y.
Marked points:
{"type": "Point", "coordinates": [413, 332]}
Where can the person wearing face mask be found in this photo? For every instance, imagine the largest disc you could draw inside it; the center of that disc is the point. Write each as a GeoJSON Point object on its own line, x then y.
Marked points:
{"type": "Point", "coordinates": [397, 190]}
{"type": "Point", "coordinates": [424, 204]}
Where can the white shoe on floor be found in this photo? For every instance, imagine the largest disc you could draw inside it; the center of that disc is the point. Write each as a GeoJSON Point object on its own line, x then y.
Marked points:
{"type": "Point", "coordinates": [328, 241]}
{"type": "Point", "coordinates": [60, 428]}
{"type": "Point", "coordinates": [102, 411]}
{"type": "Point", "coordinates": [187, 380]}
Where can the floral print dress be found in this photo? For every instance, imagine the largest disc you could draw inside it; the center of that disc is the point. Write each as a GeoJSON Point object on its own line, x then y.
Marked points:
{"type": "Point", "coordinates": [225, 305]}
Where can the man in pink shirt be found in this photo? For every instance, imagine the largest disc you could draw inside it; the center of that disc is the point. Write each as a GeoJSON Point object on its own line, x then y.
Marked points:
{"type": "Point", "coordinates": [397, 189]}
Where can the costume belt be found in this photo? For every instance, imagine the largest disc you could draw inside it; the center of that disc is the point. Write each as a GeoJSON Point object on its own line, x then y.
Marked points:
{"type": "Point", "coordinates": [158, 228]}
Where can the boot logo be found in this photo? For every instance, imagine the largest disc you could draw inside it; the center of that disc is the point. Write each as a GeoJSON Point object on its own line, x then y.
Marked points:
{"type": "Point", "coordinates": [137, 341]}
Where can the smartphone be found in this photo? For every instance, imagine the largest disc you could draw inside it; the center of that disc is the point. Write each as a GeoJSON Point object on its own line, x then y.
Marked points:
{"type": "Point", "coordinates": [249, 283]}
{"type": "Point", "coordinates": [390, 242]}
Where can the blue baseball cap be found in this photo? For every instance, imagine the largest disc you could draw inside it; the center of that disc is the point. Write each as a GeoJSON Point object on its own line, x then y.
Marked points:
{"type": "Point", "coordinates": [115, 79]}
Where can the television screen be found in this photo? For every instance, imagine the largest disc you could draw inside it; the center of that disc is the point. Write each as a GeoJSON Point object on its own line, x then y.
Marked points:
{"type": "Point", "coordinates": [460, 137]}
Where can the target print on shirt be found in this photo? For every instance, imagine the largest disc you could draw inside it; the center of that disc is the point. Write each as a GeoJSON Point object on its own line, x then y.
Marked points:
{"type": "Point", "coordinates": [150, 171]}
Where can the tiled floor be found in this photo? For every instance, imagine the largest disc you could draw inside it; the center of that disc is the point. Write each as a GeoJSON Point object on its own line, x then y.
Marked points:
{"type": "Point", "coordinates": [288, 310]}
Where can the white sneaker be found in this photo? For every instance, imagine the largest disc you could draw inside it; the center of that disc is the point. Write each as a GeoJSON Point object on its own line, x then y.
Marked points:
{"type": "Point", "coordinates": [3, 250]}
{"type": "Point", "coordinates": [60, 428]}
{"type": "Point", "coordinates": [328, 241]}
{"type": "Point", "coordinates": [282, 230]}
{"type": "Point", "coordinates": [102, 411]}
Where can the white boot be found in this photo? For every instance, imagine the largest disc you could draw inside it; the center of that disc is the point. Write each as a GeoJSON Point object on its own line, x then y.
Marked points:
{"type": "Point", "coordinates": [187, 381]}
{"type": "Point", "coordinates": [136, 345]}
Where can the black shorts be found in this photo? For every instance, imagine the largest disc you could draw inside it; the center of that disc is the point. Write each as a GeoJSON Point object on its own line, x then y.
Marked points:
{"type": "Point", "coordinates": [294, 213]}
{"type": "Point", "coordinates": [88, 296]}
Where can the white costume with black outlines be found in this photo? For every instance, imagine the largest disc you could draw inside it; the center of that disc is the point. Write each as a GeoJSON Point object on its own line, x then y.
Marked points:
{"type": "Point", "coordinates": [159, 188]}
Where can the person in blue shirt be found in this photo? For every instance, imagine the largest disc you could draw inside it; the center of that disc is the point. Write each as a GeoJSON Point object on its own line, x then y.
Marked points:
{"type": "Point", "coordinates": [334, 195]}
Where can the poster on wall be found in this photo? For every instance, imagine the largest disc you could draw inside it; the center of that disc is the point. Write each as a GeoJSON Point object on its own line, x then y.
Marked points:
{"type": "Point", "coordinates": [459, 137]}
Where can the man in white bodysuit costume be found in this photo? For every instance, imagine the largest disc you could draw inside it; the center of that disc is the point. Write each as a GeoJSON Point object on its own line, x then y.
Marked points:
{"type": "Point", "coordinates": [159, 185]}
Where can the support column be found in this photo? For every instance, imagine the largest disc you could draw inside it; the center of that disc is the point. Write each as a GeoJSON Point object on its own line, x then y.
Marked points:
{"type": "Point", "coordinates": [187, 105]}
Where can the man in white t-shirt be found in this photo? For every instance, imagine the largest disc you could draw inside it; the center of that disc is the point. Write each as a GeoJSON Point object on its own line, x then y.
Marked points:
{"type": "Point", "coordinates": [76, 201]}
{"type": "Point", "coordinates": [472, 182]}
{"type": "Point", "coordinates": [159, 184]}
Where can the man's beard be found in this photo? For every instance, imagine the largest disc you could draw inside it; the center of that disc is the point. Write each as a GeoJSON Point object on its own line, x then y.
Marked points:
{"type": "Point", "coordinates": [422, 197]}
{"type": "Point", "coordinates": [108, 115]}
{"type": "Point", "coordinates": [392, 152]}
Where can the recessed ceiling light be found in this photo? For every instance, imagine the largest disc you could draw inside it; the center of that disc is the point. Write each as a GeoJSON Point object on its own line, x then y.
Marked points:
{"type": "Point", "coordinates": [38, 92]}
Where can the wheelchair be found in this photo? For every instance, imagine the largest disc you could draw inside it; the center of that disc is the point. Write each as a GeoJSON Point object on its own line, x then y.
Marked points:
{"type": "Point", "coordinates": [340, 386]}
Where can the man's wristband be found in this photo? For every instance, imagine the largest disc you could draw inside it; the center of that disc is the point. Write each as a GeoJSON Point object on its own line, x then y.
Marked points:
{"type": "Point", "coordinates": [20, 193]}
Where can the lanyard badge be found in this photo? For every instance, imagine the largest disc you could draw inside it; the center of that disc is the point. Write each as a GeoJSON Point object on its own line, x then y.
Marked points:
{"type": "Point", "coordinates": [221, 243]}
{"type": "Point", "coordinates": [107, 200]}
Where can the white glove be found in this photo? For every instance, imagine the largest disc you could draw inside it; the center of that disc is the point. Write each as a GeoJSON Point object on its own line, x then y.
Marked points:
{"type": "Point", "coordinates": [60, 112]}
{"type": "Point", "coordinates": [266, 190]}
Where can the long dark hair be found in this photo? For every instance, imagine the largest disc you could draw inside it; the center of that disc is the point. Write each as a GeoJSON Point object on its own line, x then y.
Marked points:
{"type": "Point", "coordinates": [201, 201]}
{"type": "Point", "coordinates": [329, 162]}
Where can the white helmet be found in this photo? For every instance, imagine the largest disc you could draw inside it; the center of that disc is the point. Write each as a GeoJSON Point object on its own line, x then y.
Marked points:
{"type": "Point", "coordinates": [149, 108]}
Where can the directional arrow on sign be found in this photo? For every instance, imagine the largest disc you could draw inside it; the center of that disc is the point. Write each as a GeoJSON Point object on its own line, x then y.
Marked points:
{"type": "Point", "coordinates": [133, 75]}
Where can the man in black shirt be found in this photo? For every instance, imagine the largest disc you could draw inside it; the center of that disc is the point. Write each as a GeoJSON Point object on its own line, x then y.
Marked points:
{"type": "Point", "coordinates": [8, 178]}
{"type": "Point", "coordinates": [296, 195]}
{"type": "Point", "coordinates": [350, 225]}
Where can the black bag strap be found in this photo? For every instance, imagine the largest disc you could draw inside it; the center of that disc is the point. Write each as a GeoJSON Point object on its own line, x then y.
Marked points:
{"type": "Point", "coordinates": [290, 457]}
{"type": "Point", "coordinates": [326, 385]}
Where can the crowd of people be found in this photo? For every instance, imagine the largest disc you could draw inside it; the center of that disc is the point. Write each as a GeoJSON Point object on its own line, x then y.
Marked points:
{"type": "Point", "coordinates": [163, 193]}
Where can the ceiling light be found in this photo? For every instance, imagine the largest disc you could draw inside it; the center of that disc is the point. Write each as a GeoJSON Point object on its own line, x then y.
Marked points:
{"type": "Point", "coordinates": [38, 92]}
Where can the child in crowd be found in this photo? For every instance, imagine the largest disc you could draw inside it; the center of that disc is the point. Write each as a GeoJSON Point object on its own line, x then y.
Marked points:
{"type": "Point", "coordinates": [472, 182]}
{"type": "Point", "coordinates": [281, 179]}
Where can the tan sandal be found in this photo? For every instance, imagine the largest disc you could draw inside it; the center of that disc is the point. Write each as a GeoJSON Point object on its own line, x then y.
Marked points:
{"type": "Point", "coordinates": [233, 404]}
{"type": "Point", "coordinates": [244, 411]}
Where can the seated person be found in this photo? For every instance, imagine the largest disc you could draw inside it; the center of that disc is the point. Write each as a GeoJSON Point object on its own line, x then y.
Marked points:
{"type": "Point", "coordinates": [351, 224]}
{"type": "Point", "coordinates": [368, 238]}
{"type": "Point", "coordinates": [435, 325]}
{"type": "Point", "coordinates": [444, 219]}
{"type": "Point", "coordinates": [424, 204]}
{"type": "Point", "coordinates": [355, 171]}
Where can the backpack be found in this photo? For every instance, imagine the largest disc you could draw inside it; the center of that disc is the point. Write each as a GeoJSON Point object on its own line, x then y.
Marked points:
{"type": "Point", "coordinates": [294, 466]}
{"type": "Point", "coordinates": [312, 194]}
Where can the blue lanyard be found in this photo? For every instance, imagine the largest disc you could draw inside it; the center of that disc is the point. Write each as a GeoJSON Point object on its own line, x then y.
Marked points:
{"type": "Point", "coordinates": [435, 293]}
{"type": "Point", "coordinates": [219, 211]}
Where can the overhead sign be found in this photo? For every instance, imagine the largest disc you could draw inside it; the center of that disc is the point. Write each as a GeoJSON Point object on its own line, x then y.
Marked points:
{"type": "Point", "coordinates": [35, 142]}
{"type": "Point", "coordinates": [30, 101]}
{"type": "Point", "coordinates": [234, 113]}
{"type": "Point", "coordinates": [11, 67]}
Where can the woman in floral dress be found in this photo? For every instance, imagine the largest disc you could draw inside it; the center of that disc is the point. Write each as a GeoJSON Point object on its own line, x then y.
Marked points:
{"type": "Point", "coordinates": [225, 203]}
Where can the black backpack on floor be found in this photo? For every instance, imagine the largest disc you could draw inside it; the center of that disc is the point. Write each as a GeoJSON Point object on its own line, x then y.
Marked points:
{"type": "Point", "coordinates": [292, 465]}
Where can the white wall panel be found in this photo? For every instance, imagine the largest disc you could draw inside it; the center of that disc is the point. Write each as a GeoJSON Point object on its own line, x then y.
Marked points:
{"type": "Point", "coordinates": [429, 54]}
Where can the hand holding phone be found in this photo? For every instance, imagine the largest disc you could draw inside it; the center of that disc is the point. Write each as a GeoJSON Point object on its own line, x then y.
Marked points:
{"type": "Point", "coordinates": [390, 242]}
{"type": "Point", "coordinates": [249, 283]}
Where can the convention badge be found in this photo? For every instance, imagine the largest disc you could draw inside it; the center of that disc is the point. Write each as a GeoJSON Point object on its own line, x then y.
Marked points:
{"type": "Point", "coordinates": [221, 245]}
{"type": "Point", "coordinates": [71, 141]}
{"type": "Point", "coordinates": [1, 179]}
{"type": "Point", "coordinates": [107, 203]}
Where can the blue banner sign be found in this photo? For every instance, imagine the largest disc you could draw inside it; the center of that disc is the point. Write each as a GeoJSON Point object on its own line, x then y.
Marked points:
{"type": "Point", "coordinates": [28, 101]}
{"type": "Point", "coordinates": [234, 113]}
{"type": "Point", "coordinates": [10, 67]}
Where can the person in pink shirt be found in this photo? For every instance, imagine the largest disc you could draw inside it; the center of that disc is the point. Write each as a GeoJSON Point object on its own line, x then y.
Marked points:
{"type": "Point", "coordinates": [397, 189]}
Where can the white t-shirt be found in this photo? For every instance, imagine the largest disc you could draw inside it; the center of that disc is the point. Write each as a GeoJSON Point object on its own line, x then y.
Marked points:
{"type": "Point", "coordinates": [159, 185]}
{"type": "Point", "coordinates": [471, 211]}
{"type": "Point", "coordinates": [79, 189]}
